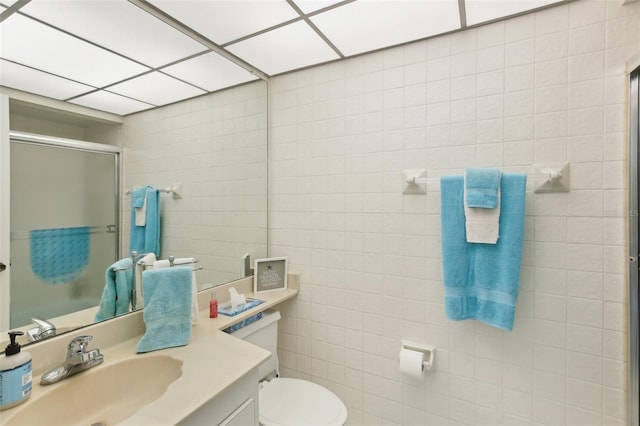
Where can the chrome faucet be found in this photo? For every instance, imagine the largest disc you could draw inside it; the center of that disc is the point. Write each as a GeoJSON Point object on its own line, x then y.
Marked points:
{"type": "Point", "coordinates": [78, 359]}
{"type": "Point", "coordinates": [43, 330]}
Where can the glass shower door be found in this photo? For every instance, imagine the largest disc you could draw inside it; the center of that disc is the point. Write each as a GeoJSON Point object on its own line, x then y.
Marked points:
{"type": "Point", "coordinates": [64, 233]}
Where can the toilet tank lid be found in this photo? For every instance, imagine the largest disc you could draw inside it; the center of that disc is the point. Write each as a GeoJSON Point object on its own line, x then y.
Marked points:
{"type": "Point", "coordinates": [294, 402]}
{"type": "Point", "coordinates": [268, 317]}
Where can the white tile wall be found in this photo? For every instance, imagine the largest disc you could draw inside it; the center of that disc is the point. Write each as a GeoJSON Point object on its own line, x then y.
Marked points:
{"type": "Point", "coordinates": [215, 145]}
{"type": "Point", "coordinates": [544, 87]}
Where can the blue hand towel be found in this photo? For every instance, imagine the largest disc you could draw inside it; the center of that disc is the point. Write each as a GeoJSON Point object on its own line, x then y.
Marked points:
{"type": "Point", "coordinates": [116, 296]}
{"type": "Point", "coordinates": [482, 187]}
{"type": "Point", "coordinates": [59, 256]}
{"type": "Point", "coordinates": [482, 280]}
{"type": "Point", "coordinates": [167, 308]}
{"type": "Point", "coordinates": [146, 239]}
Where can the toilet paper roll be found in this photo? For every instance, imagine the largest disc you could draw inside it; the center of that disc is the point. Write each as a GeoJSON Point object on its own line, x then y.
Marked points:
{"type": "Point", "coordinates": [412, 363]}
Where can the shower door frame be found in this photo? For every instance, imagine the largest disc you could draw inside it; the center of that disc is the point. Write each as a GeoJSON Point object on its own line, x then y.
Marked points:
{"type": "Point", "coordinates": [32, 138]}
{"type": "Point", "coordinates": [634, 253]}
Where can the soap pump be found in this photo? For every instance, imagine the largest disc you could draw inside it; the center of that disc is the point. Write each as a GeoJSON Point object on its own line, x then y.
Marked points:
{"type": "Point", "coordinates": [15, 374]}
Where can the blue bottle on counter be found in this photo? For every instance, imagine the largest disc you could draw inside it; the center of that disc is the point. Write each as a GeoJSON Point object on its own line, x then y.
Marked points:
{"type": "Point", "coordinates": [15, 374]}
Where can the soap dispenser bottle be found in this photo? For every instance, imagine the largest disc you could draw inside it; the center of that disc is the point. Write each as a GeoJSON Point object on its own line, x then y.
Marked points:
{"type": "Point", "coordinates": [15, 374]}
{"type": "Point", "coordinates": [213, 306]}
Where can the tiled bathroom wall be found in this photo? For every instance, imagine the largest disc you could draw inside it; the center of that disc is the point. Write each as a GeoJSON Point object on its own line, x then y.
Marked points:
{"type": "Point", "coordinates": [216, 147]}
{"type": "Point", "coordinates": [541, 88]}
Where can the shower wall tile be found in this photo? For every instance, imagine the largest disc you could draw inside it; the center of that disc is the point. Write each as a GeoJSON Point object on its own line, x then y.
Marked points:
{"type": "Point", "coordinates": [539, 88]}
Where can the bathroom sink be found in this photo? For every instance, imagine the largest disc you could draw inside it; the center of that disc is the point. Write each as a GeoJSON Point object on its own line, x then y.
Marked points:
{"type": "Point", "coordinates": [107, 394]}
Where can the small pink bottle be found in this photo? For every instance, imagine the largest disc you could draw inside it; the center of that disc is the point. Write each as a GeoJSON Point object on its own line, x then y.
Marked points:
{"type": "Point", "coordinates": [213, 306]}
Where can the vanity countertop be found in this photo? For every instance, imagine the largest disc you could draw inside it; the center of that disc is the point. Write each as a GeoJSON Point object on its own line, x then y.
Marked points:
{"type": "Point", "coordinates": [212, 361]}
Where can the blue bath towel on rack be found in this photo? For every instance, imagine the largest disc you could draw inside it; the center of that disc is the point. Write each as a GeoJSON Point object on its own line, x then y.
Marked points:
{"type": "Point", "coordinates": [482, 280]}
{"type": "Point", "coordinates": [146, 238]}
{"type": "Point", "coordinates": [59, 256]}
{"type": "Point", "coordinates": [167, 308]}
{"type": "Point", "coordinates": [116, 295]}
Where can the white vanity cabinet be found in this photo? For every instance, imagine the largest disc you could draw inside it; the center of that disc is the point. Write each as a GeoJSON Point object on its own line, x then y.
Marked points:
{"type": "Point", "coordinates": [235, 406]}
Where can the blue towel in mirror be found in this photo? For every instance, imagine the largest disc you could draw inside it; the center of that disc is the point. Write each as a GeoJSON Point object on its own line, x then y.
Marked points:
{"type": "Point", "coordinates": [116, 295]}
{"type": "Point", "coordinates": [482, 280]}
{"type": "Point", "coordinates": [167, 308]}
{"type": "Point", "coordinates": [146, 239]}
{"type": "Point", "coordinates": [59, 256]}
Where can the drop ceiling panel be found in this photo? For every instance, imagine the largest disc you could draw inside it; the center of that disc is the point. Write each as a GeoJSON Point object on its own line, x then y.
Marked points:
{"type": "Point", "coordinates": [210, 71]}
{"type": "Point", "coordinates": [225, 20]}
{"type": "Point", "coordinates": [478, 11]}
{"type": "Point", "coordinates": [156, 88]}
{"type": "Point", "coordinates": [120, 26]}
{"type": "Point", "coordinates": [38, 82]}
{"type": "Point", "coordinates": [116, 104]}
{"type": "Point", "coordinates": [28, 42]}
{"type": "Point", "coordinates": [368, 25]}
{"type": "Point", "coordinates": [308, 6]}
{"type": "Point", "coordinates": [290, 47]}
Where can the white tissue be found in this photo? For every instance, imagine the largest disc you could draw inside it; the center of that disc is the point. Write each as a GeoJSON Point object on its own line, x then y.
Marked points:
{"type": "Point", "coordinates": [236, 299]}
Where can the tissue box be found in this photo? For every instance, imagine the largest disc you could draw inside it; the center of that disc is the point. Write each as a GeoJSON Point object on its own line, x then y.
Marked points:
{"type": "Point", "coordinates": [230, 312]}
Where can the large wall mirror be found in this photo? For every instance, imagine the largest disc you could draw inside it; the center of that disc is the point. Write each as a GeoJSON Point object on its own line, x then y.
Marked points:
{"type": "Point", "coordinates": [214, 145]}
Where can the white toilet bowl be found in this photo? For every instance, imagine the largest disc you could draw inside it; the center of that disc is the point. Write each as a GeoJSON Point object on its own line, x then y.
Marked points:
{"type": "Point", "coordinates": [295, 402]}
{"type": "Point", "coordinates": [284, 401]}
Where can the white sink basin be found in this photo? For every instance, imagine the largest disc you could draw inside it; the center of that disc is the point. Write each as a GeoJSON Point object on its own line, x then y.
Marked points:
{"type": "Point", "coordinates": [107, 394]}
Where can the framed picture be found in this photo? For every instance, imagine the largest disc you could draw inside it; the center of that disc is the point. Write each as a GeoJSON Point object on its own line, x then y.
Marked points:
{"type": "Point", "coordinates": [270, 275]}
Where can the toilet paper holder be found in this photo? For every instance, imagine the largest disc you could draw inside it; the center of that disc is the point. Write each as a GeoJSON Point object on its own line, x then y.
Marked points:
{"type": "Point", "coordinates": [429, 351]}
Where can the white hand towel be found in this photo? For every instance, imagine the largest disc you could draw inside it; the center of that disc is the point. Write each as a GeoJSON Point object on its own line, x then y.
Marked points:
{"type": "Point", "coordinates": [148, 259]}
{"type": "Point", "coordinates": [482, 225]}
{"type": "Point", "coordinates": [185, 262]}
{"type": "Point", "coordinates": [141, 212]}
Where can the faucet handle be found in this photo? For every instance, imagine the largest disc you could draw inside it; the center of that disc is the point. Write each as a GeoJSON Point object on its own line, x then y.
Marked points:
{"type": "Point", "coordinates": [78, 345]}
{"type": "Point", "coordinates": [43, 329]}
{"type": "Point", "coordinates": [43, 324]}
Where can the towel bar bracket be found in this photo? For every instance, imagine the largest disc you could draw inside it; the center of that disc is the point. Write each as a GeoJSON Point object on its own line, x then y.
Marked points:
{"type": "Point", "coordinates": [412, 181]}
{"type": "Point", "coordinates": [552, 177]}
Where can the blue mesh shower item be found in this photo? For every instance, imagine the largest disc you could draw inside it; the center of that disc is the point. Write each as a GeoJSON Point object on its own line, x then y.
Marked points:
{"type": "Point", "coordinates": [59, 256]}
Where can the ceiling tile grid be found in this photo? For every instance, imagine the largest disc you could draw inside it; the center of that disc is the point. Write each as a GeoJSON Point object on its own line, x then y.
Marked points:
{"type": "Point", "coordinates": [126, 56]}
{"type": "Point", "coordinates": [35, 81]}
{"type": "Point", "coordinates": [119, 26]}
{"type": "Point", "coordinates": [110, 102]}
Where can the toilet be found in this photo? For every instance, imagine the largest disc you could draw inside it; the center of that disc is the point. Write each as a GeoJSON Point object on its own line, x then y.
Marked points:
{"type": "Point", "coordinates": [284, 401]}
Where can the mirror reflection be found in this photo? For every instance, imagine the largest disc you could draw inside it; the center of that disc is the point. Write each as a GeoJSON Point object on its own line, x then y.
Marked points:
{"type": "Point", "coordinates": [71, 212]}
{"type": "Point", "coordinates": [59, 253]}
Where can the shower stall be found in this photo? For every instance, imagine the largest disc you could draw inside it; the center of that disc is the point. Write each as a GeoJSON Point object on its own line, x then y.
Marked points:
{"type": "Point", "coordinates": [634, 237]}
{"type": "Point", "coordinates": [64, 221]}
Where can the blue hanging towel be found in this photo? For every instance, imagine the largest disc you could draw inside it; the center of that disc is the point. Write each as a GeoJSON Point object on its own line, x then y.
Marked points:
{"type": "Point", "coordinates": [167, 308]}
{"type": "Point", "coordinates": [482, 280]}
{"type": "Point", "coordinates": [482, 187]}
{"type": "Point", "coordinates": [59, 256]}
{"type": "Point", "coordinates": [146, 238]}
